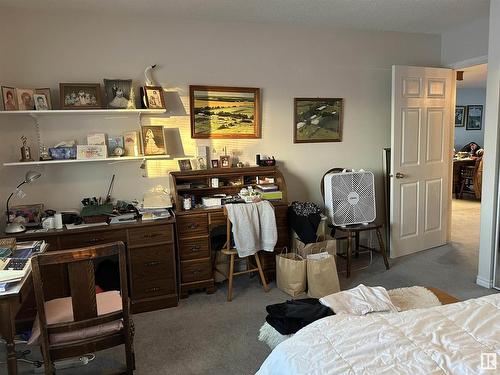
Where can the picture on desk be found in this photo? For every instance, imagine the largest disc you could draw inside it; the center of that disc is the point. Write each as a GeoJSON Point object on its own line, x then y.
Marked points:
{"type": "Point", "coordinates": [153, 140]}
{"type": "Point", "coordinates": [28, 215]}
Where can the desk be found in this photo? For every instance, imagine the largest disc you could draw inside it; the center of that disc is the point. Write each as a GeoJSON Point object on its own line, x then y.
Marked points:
{"type": "Point", "coordinates": [10, 304]}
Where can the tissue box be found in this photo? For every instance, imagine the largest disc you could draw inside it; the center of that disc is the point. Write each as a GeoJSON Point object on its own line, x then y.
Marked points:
{"type": "Point", "coordinates": [62, 153]}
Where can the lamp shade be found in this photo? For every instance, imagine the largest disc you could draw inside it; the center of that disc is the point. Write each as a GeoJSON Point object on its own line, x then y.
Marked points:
{"type": "Point", "coordinates": [31, 176]}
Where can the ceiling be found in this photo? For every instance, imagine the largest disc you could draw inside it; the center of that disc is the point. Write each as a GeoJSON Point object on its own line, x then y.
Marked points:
{"type": "Point", "coordinates": [474, 77]}
{"type": "Point", "coordinates": [422, 16]}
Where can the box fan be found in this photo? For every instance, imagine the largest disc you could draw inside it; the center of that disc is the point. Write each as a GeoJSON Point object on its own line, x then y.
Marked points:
{"type": "Point", "coordinates": [350, 197]}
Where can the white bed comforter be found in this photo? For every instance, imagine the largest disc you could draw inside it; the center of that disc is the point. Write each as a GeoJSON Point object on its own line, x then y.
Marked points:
{"type": "Point", "coordinates": [445, 339]}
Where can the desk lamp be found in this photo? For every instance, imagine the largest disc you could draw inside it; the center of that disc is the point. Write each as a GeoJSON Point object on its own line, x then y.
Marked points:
{"type": "Point", "coordinates": [12, 228]}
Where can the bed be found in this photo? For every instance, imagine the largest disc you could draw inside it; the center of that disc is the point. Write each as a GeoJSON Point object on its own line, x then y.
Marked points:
{"type": "Point", "coordinates": [448, 339]}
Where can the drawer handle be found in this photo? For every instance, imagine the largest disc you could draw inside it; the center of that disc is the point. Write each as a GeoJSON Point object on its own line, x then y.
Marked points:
{"type": "Point", "coordinates": [152, 263]}
{"type": "Point", "coordinates": [95, 239]}
{"type": "Point", "coordinates": [195, 248]}
{"type": "Point", "coordinates": [152, 235]}
{"type": "Point", "coordinates": [193, 225]}
{"type": "Point", "coordinates": [196, 271]}
{"type": "Point", "coordinates": [152, 290]}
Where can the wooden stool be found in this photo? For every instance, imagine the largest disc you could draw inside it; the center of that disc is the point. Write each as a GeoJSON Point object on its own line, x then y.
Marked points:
{"type": "Point", "coordinates": [232, 253]}
{"type": "Point", "coordinates": [354, 231]}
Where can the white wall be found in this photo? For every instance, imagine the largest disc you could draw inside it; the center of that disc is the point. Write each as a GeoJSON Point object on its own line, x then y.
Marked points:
{"type": "Point", "coordinates": [284, 61]}
{"type": "Point", "coordinates": [465, 42]}
{"type": "Point", "coordinates": [470, 96]}
{"type": "Point", "coordinates": [489, 204]}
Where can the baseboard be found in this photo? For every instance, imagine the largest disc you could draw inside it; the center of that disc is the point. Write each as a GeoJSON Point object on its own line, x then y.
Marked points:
{"type": "Point", "coordinates": [486, 283]}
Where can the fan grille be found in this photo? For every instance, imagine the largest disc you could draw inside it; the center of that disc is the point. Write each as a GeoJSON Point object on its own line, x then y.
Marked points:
{"type": "Point", "coordinates": [350, 197]}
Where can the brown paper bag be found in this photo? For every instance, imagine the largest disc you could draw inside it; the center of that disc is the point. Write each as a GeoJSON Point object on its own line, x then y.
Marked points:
{"type": "Point", "coordinates": [330, 246]}
{"type": "Point", "coordinates": [322, 277]}
{"type": "Point", "coordinates": [291, 273]}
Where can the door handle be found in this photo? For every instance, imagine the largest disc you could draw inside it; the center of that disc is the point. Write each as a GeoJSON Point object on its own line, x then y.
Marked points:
{"type": "Point", "coordinates": [400, 175]}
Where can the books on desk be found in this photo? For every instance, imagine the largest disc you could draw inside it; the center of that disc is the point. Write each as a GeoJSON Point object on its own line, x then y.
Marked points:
{"type": "Point", "coordinates": [15, 267]}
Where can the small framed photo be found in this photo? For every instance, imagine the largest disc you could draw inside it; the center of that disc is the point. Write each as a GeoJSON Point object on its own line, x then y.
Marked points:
{"type": "Point", "coordinates": [46, 92]}
{"type": "Point", "coordinates": [86, 152]}
{"type": "Point", "coordinates": [225, 161]}
{"type": "Point", "coordinates": [460, 116]}
{"type": "Point", "coordinates": [25, 99]}
{"type": "Point", "coordinates": [9, 99]}
{"type": "Point", "coordinates": [202, 162]}
{"type": "Point", "coordinates": [131, 143]}
{"type": "Point", "coordinates": [185, 165]}
{"type": "Point", "coordinates": [119, 93]}
{"type": "Point", "coordinates": [154, 97]}
{"type": "Point", "coordinates": [215, 163]}
{"type": "Point", "coordinates": [474, 117]}
{"type": "Point", "coordinates": [80, 95]}
{"type": "Point", "coordinates": [153, 140]}
{"type": "Point", "coordinates": [41, 103]}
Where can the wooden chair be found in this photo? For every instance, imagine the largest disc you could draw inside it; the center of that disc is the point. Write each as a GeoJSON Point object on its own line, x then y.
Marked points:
{"type": "Point", "coordinates": [232, 253]}
{"type": "Point", "coordinates": [467, 176]}
{"type": "Point", "coordinates": [80, 267]}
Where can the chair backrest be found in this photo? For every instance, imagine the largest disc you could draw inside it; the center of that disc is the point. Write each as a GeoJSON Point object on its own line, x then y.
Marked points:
{"type": "Point", "coordinates": [322, 184]}
{"type": "Point", "coordinates": [80, 270]}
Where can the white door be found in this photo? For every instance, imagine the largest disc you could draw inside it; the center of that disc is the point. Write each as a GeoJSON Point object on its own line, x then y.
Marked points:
{"type": "Point", "coordinates": [421, 157]}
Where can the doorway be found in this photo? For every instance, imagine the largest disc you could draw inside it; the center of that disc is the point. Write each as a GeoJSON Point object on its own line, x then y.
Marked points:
{"type": "Point", "coordinates": [467, 160]}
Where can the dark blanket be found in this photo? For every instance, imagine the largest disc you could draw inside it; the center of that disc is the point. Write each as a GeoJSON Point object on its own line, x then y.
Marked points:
{"type": "Point", "coordinates": [304, 219]}
{"type": "Point", "coordinates": [290, 316]}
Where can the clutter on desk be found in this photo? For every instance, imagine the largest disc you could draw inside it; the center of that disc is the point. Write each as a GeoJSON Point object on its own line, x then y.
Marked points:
{"type": "Point", "coordinates": [265, 161]}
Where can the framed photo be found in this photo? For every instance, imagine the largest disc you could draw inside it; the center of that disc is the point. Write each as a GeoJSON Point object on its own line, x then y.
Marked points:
{"type": "Point", "coordinates": [86, 152]}
{"type": "Point", "coordinates": [460, 116]}
{"type": "Point", "coordinates": [224, 112]}
{"type": "Point", "coordinates": [9, 99]}
{"type": "Point", "coordinates": [28, 215]}
{"type": "Point", "coordinates": [185, 165]}
{"type": "Point", "coordinates": [80, 95]}
{"type": "Point", "coordinates": [215, 163]}
{"type": "Point", "coordinates": [25, 99]}
{"type": "Point", "coordinates": [318, 120]}
{"type": "Point", "coordinates": [202, 162]}
{"type": "Point", "coordinates": [119, 93]}
{"type": "Point", "coordinates": [153, 140]}
{"type": "Point", "coordinates": [474, 117]}
{"type": "Point", "coordinates": [225, 161]}
{"type": "Point", "coordinates": [154, 97]}
{"type": "Point", "coordinates": [41, 103]}
{"type": "Point", "coordinates": [46, 92]}
{"type": "Point", "coordinates": [131, 143]}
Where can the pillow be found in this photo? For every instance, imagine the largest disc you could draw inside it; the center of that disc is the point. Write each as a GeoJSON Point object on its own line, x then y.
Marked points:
{"type": "Point", "coordinates": [359, 301]}
{"type": "Point", "coordinates": [60, 310]}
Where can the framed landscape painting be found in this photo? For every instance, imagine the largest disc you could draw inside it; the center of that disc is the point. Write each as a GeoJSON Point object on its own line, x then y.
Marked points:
{"type": "Point", "coordinates": [224, 112]}
{"type": "Point", "coordinates": [474, 117]}
{"type": "Point", "coordinates": [318, 120]}
{"type": "Point", "coordinates": [459, 115]}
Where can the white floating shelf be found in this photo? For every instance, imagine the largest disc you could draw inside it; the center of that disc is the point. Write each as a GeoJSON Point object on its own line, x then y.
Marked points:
{"type": "Point", "coordinates": [107, 160]}
{"type": "Point", "coordinates": [85, 112]}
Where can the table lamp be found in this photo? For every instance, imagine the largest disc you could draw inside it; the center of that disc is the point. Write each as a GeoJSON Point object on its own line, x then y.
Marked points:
{"type": "Point", "coordinates": [12, 228]}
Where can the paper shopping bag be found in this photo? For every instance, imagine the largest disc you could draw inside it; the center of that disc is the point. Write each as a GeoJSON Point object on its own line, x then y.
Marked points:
{"type": "Point", "coordinates": [330, 246]}
{"type": "Point", "coordinates": [291, 273]}
{"type": "Point", "coordinates": [322, 277]}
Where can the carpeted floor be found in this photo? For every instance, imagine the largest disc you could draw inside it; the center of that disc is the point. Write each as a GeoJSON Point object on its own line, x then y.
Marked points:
{"type": "Point", "coordinates": [207, 335]}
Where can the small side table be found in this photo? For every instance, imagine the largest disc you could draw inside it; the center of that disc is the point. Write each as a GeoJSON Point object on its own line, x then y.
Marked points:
{"type": "Point", "coordinates": [354, 231]}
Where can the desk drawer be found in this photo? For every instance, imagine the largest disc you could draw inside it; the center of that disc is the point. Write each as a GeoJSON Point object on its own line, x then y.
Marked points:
{"type": "Point", "coordinates": [195, 248]}
{"type": "Point", "coordinates": [196, 270]}
{"type": "Point", "coordinates": [73, 240]}
{"type": "Point", "coordinates": [192, 225]}
{"type": "Point", "coordinates": [217, 219]}
{"type": "Point", "coordinates": [141, 236]}
{"type": "Point", "coordinates": [145, 288]}
{"type": "Point", "coordinates": [152, 262]}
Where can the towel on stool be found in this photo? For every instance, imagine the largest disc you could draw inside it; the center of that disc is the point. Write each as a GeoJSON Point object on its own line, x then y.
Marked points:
{"type": "Point", "coordinates": [254, 227]}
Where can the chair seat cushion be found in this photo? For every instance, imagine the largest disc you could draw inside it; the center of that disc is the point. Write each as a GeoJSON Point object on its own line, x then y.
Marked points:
{"type": "Point", "coordinates": [60, 310]}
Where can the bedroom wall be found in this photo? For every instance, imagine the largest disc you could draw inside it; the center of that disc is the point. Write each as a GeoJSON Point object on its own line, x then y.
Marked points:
{"type": "Point", "coordinates": [470, 96]}
{"type": "Point", "coordinates": [285, 61]}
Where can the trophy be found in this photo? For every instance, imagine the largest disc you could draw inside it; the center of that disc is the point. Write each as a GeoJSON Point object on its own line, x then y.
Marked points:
{"type": "Point", "coordinates": [25, 150]}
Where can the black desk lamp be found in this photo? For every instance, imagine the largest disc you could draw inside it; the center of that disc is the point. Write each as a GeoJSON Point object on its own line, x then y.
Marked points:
{"type": "Point", "coordinates": [12, 228]}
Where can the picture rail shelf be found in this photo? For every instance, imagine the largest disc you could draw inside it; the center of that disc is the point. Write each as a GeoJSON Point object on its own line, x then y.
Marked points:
{"type": "Point", "coordinates": [107, 160]}
{"type": "Point", "coordinates": [84, 112]}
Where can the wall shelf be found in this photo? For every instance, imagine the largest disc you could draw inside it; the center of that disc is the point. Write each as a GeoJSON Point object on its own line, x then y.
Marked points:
{"type": "Point", "coordinates": [85, 112]}
{"type": "Point", "coordinates": [107, 160]}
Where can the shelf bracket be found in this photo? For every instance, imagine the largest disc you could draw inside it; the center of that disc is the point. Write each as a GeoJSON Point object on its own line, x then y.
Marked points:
{"type": "Point", "coordinates": [38, 132]}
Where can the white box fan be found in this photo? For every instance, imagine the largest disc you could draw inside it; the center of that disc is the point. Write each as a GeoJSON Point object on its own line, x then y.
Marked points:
{"type": "Point", "coordinates": [350, 197]}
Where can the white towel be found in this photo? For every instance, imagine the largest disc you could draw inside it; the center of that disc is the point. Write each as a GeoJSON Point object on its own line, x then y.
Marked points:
{"type": "Point", "coordinates": [254, 227]}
